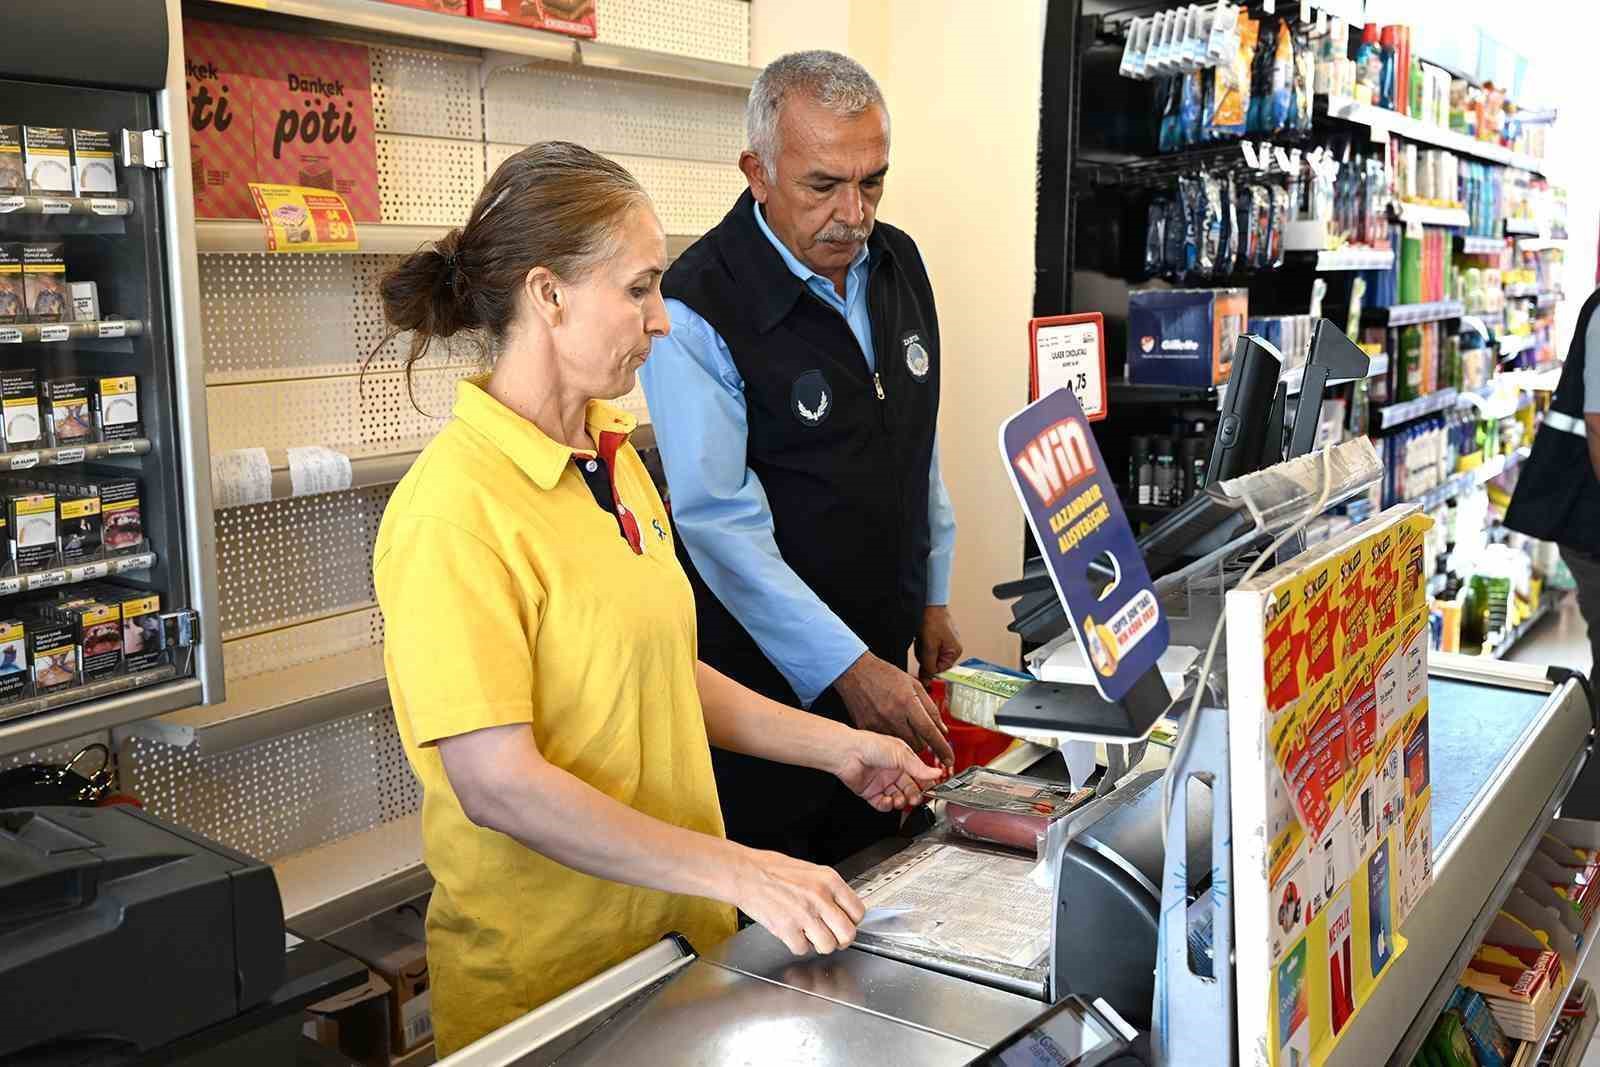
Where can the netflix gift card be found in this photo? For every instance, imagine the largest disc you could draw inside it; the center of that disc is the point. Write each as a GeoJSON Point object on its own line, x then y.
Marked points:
{"type": "Point", "coordinates": [313, 118]}
{"type": "Point", "coordinates": [222, 153]}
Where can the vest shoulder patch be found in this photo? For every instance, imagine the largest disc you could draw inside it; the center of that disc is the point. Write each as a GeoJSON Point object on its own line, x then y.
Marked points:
{"type": "Point", "coordinates": [811, 398]}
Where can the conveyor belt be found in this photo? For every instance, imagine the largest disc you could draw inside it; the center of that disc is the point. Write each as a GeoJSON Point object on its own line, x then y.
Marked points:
{"type": "Point", "coordinates": [1472, 730]}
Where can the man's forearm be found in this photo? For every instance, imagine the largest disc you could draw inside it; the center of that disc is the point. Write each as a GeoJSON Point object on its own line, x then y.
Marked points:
{"type": "Point", "coordinates": [741, 720]}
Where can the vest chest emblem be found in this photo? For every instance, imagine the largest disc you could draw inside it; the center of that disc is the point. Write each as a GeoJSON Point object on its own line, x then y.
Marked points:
{"type": "Point", "coordinates": [811, 398]}
{"type": "Point", "coordinates": [917, 361]}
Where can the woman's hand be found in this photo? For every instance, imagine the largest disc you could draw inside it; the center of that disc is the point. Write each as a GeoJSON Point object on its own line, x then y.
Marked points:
{"type": "Point", "coordinates": [884, 772]}
{"type": "Point", "coordinates": [807, 907]}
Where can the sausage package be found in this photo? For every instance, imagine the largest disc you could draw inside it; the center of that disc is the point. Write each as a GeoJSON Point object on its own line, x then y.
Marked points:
{"type": "Point", "coordinates": [1007, 809]}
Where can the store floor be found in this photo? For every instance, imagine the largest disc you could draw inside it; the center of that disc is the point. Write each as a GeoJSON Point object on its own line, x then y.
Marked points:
{"type": "Point", "coordinates": [1563, 639]}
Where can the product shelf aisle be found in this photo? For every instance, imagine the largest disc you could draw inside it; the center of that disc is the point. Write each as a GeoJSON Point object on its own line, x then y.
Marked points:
{"type": "Point", "coordinates": [1380, 119]}
{"type": "Point", "coordinates": [215, 236]}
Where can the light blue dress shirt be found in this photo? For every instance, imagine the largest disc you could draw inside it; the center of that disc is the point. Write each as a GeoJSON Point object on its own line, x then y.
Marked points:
{"type": "Point", "coordinates": [697, 407]}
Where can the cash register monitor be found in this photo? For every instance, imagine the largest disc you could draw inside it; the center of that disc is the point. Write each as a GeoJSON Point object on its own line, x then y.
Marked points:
{"type": "Point", "coordinates": [1071, 1033]}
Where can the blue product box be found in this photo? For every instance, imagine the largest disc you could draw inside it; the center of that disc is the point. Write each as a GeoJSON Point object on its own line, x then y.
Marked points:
{"type": "Point", "coordinates": [1184, 336]}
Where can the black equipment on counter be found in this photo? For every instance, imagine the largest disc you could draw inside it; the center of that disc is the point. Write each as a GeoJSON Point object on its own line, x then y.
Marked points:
{"type": "Point", "coordinates": [122, 930]}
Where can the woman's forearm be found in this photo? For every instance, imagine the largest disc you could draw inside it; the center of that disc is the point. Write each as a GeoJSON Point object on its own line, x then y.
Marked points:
{"type": "Point", "coordinates": [741, 720]}
{"type": "Point", "coordinates": [505, 784]}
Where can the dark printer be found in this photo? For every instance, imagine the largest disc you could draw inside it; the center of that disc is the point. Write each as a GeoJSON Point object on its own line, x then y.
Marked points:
{"type": "Point", "coordinates": [120, 930]}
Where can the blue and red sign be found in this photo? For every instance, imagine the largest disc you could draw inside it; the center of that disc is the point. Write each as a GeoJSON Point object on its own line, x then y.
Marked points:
{"type": "Point", "coordinates": [1072, 506]}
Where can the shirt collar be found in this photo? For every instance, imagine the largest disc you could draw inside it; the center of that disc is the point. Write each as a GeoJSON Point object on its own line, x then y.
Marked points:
{"type": "Point", "coordinates": [538, 456]}
{"type": "Point", "coordinates": [797, 268]}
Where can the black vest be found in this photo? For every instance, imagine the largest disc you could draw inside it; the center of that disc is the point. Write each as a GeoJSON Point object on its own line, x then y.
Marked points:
{"type": "Point", "coordinates": [843, 454]}
{"type": "Point", "coordinates": [1557, 496]}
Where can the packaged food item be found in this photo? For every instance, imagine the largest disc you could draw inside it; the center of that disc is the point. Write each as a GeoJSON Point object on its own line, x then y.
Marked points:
{"type": "Point", "coordinates": [66, 411]}
{"type": "Point", "coordinates": [443, 7]}
{"type": "Point", "coordinates": [53, 652]}
{"type": "Point", "coordinates": [44, 281]}
{"type": "Point", "coordinates": [572, 17]}
{"type": "Point", "coordinates": [221, 118]}
{"type": "Point", "coordinates": [1006, 809]}
{"type": "Point", "coordinates": [116, 408]}
{"type": "Point", "coordinates": [121, 511]}
{"type": "Point", "coordinates": [19, 407]}
{"type": "Point", "coordinates": [31, 518]}
{"type": "Point", "coordinates": [47, 158]}
{"type": "Point", "coordinates": [13, 295]}
{"type": "Point", "coordinates": [13, 660]}
{"type": "Point", "coordinates": [78, 511]}
{"type": "Point", "coordinates": [94, 164]}
{"type": "Point", "coordinates": [13, 179]}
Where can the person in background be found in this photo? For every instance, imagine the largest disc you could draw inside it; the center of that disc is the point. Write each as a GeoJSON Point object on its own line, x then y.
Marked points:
{"type": "Point", "coordinates": [540, 634]}
{"type": "Point", "coordinates": [1558, 492]}
{"type": "Point", "coordinates": [795, 404]}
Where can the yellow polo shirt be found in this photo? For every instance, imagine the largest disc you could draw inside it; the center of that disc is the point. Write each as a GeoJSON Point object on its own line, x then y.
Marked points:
{"type": "Point", "coordinates": [509, 597]}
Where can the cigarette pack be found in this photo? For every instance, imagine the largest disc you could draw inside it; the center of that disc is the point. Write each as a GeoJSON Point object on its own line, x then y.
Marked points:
{"type": "Point", "coordinates": [13, 295]}
{"type": "Point", "coordinates": [53, 650]}
{"type": "Point", "coordinates": [78, 507]}
{"type": "Point", "coordinates": [47, 158]}
{"type": "Point", "coordinates": [66, 403]}
{"type": "Point", "coordinates": [13, 660]}
{"type": "Point", "coordinates": [44, 281]}
{"type": "Point", "coordinates": [19, 408]}
{"type": "Point", "coordinates": [97, 633]}
{"type": "Point", "coordinates": [143, 638]}
{"type": "Point", "coordinates": [121, 514]}
{"type": "Point", "coordinates": [116, 408]}
{"type": "Point", "coordinates": [94, 165]}
{"type": "Point", "coordinates": [32, 520]}
{"type": "Point", "coordinates": [85, 297]}
{"type": "Point", "coordinates": [13, 179]}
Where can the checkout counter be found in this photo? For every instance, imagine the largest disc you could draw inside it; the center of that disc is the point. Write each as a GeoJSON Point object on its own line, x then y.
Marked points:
{"type": "Point", "coordinates": [1508, 744]}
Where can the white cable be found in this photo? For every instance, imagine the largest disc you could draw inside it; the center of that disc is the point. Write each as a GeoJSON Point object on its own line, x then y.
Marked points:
{"type": "Point", "coordinates": [1181, 747]}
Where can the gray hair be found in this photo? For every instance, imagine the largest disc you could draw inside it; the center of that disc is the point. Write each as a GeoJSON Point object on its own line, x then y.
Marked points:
{"type": "Point", "coordinates": [837, 82]}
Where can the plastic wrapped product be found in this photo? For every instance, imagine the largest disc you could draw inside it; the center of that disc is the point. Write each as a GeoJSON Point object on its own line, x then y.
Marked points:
{"type": "Point", "coordinates": [1305, 63]}
{"type": "Point", "coordinates": [1279, 225]}
{"type": "Point", "coordinates": [1260, 216]}
{"type": "Point", "coordinates": [1283, 78]}
{"type": "Point", "coordinates": [1211, 235]}
{"type": "Point", "coordinates": [1006, 809]}
{"type": "Point", "coordinates": [1170, 135]}
{"type": "Point", "coordinates": [1172, 257]}
{"type": "Point", "coordinates": [1155, 237]}
{"type": "Point", "coordinates": [1190, 107]}
{"type": "Point", "coordinates": [1190, 192]}
{"type": "Point", "coordinates": [1225, 227]}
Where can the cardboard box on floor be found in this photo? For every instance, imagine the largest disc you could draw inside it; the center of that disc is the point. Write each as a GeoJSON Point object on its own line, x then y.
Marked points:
{"type": "Point", "coordinates": [400, 957]}
{"type": "Point", "coordinates": [355, 1022]}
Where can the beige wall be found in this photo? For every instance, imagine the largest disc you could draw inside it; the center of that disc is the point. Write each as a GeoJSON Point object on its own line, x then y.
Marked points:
{"type": "Point", "coordinates": [963, 94]}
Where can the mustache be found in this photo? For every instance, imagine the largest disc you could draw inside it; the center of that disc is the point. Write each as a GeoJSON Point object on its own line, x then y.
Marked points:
{"type": "Point", "coordinates": [840, 234]}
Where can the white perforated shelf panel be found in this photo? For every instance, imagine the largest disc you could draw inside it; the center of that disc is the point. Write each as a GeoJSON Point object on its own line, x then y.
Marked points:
{"type": "Point", "coordinates": [284, 795]}
{"type": "Point", "coordinates": [292, 561]}
{"type": "Point", "coordinates": [614, 113]}
{"type": "Point", "coordinates": [295, 646]}
{"type": "Point", "coordinates": [425, 181]}
{"type": "Point", "coordinates": [428, 94]}
{"type": "Point", "coordinates": [705, 29]}
{"type": "Point", "coordinates": [58, 754]}
{"type": "Point", "coordinates": [690, 196]}
{"type": "Point", "coordinates": [265, 318]}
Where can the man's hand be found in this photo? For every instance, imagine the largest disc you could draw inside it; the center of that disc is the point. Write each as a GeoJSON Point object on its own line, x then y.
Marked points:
{"type": "Point", "coordinates": [887, 700]}
{"type": "Point", "coordinates": [938, 644]}
{"type": "Point", "coordinates": [884, 772]}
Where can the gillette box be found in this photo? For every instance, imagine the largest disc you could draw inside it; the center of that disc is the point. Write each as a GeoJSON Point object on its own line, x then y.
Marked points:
{"type": "Point", "coordinates": [1184, 336]}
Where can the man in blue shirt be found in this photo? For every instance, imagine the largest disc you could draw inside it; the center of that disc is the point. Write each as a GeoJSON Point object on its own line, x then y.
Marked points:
{"type": "Point", "coordinates": [794, 403]}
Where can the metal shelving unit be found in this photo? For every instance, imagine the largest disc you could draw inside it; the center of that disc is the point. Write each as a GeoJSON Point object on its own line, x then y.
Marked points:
{"type": "Point", "coordinates": [102, 206]}
{"type": "Point", "coordinates": [60, 457]}
{"type": "Point", "coordinates": [52, 332]}
{"type": "Point", "coordinates": [1434, 215]}
{"type": "Point", "coordinates": [1474, 245]}
{"type": "Point", "coordinates": [1411, 314]}
{"type": "Point", "coordinates": [1523, 228]}
{"type": "Point", "coordinates": [1353, 258]}
{"type": "Point", "coordinates": [1380, 119]}
{"type": "Point", "coordinates": [1393, 415]}
{"type": "Point", "coordinates": [248, 235]}
{"type": "Point", "coordinates": [75, 573]}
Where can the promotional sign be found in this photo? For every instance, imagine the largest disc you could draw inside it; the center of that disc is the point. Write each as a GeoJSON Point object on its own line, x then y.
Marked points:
{"type": "Point", "coordinates": [222, 150]}
{"type": "Point", "coordinates": [1327, 678]}
{"type": "Point", "coordinates": [1069, 351]}
{"type": "Point", "coordinates": [1072, 507]}
{"type": "Point", "coordinates": [304, 220]}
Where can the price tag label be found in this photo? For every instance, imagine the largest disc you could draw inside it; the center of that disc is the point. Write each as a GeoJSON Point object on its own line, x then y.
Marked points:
{"type": "Point", "coordinates": [123, 448]}
{"type": "Point", "coordinates": [10, 335]}
{"type": "Point", "coordinates": [21, 461]}
{"type": "Point", "coordinates": [47, 580]}
{"type": "Point", "coordinates": [70, 455]}
{"type": "Point", "coordinates": [54, 205]}
{"type": "Point", "coordinates": [9, 204]}
{"type": "Point", "coordinates": [88, 572]}
{"type": "Point", "coordinates": [143, 561]}
{"type": "Point", "coordinates": [301, 219]}
{"type": "Point", "coordinates": [58, 331]}
{"type": "Point", "coordinates": [113, 328]}
{"type": "Point", "coordinates": [9, 586]}
{"type": "Point", "coordinates": [1069, 352]}
{"type": "Point", "coordinates": [101, 206]}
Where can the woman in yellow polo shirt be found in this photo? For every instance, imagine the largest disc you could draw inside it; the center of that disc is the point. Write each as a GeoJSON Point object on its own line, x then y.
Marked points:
{"type": "Point", "coordinates": [540, 634]}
